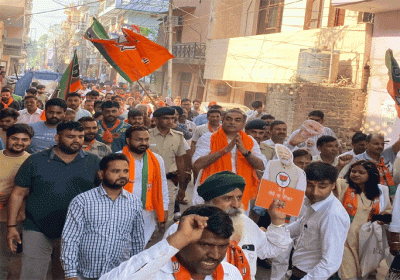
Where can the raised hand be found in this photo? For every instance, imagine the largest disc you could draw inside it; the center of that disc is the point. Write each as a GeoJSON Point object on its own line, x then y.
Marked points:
{"type": "Point", "coordinates": [345, 159]}
{"type": "Point", "coordinates": [190, 229]}
{"type": "Point", "coordinates": [277, 218]}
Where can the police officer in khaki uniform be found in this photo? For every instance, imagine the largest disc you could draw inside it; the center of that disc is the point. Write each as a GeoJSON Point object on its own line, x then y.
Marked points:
{"type": "Point", "coordinates": [169, 144]}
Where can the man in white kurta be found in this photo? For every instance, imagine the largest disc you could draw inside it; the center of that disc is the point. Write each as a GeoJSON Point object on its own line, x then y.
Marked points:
{"type": "Point", "coordinates": [232, 124]}
{"type": "Point", "coordinates": [224, 190]}
{"type": "Point", "coordinates": [137, 141]}
{"type": "Point", "coordinates": [194, 230]}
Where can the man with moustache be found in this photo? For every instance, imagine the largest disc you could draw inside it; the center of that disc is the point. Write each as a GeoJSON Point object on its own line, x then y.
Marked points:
{"type": "Point", "coordinates": [45, 131]}
{"type": "Point", "coordinates": [224, 190]}
{"type": "Point", "coordinates": [31, 113]}
{"type": "Point", "coordinates": [74, 101]}
{"type": "Point", "coordinates": [383, 158]}
{"type": "Point", "coordinates": [18, 140]}
{"type": "Point", "coordinates": [111, 128]}
{"type": "Point", "coordinates": [229, 149]}
{"type": "Point", "coordinates": [170, 145]}
{"type": "Point", "coordinates": [214, 119]}
{"type": "Point", "coordinates": [278, 132]}
{"type": "Point", "coordinates": [90, 143]}
{"type": "Point", "coordinates": [7, 99]}
{"type": "Point", "coordinates": [195, 251]}
{"type": "Point", "coordinates": [135, 117]}
{"type": "Point", "coordinates": [147, 179]}
{"type": "Point", "coordinates": [49, 180]}
{"type": "Point", "coordinates": [104, 226]}
{"type": "Point", "coordinates": [257, 129]}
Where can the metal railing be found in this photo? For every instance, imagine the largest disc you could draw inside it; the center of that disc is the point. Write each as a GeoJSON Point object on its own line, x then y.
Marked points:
{"type": "Point", "coordinates": [189, 50]}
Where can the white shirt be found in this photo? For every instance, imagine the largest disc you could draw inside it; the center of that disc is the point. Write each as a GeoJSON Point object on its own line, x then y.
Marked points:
{"type": "Point", "coordinates": [150, 218]}
{"type": "Point", "coordinates": [191, 126]}
{"type": "Point", "coordinates": [82, 113]}
{"type": "Point", "coordinates": [252, 115]}
{"type": "Point", "coordinates": [351, 152]}
{"type": "Point", "coordinates": [155, 264]}
{"type": "Point", "coordinates": [83, 92]}
{"type": "Point", "coordinates": [395, 224]}
{"type": "Point", "coordinates": [200, 131]}
{"type": "Point", "coordinates": [272, 143]}
{"type": "Point", "coordinates": [311, 143]}
{"type": "Point", "coordinates": [266, 244]}
{"type": "Point", "coordinates": [321, 233]}
{"type": "Point", "coordinates": [203, 148]}
{"type": "Point", "coordinates": [25, 117]}
{"type": "Point", "coordinates": [318, 158]}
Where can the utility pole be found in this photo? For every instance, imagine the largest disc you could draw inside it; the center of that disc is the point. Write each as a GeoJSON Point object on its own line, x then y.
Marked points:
{"type": "Point", "coordinates": [170, 36]}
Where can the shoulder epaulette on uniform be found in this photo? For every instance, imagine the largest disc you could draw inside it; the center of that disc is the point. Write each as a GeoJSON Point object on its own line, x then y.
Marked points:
{"type": "Point", "coordinates": [177, 132]}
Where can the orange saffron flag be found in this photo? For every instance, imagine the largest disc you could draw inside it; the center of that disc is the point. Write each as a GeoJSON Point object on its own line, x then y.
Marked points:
{"type": "Point", "coordinates": [132, 55]}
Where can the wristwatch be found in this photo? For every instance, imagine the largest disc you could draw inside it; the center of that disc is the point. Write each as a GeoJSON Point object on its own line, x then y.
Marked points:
{"type": "Point", "coordinates": [246, 154]}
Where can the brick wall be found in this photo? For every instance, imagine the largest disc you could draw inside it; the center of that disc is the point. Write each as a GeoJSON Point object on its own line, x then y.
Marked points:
{"type": "Point", "coordinates": [343, 107]}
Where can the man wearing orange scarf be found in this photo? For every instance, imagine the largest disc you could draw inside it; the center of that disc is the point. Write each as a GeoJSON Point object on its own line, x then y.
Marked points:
{"type": "Point", "coordinates": [248, 242]}
{"type": "Point", "coordinates": [7, 100]}
{"type": "Point", "coordinates": [195, 251]}
{"type": "Point", "coordinates": [147, 179]}
{"type": "Point", "coordinates": [111, 128]}
{"type": "Point", "coordinates": [229, 149]}
{"type": "Point", "coordinates": [383, 158]}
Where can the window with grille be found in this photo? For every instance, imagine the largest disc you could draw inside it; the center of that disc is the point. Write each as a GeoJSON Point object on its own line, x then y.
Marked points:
{"type": "Point", "coordinates": [366, 17]}
{"type": "Point", "coordinates": [186, 77]}
{"type": "Point", "coordinates": [339, 17]}
{"type": "Point", "coordinates": [313, 16]}
{"type": "Point", "coordinates": [270, 16]}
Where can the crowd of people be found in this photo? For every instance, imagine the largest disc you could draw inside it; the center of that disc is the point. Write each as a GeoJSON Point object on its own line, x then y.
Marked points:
{"type": "Point", "coordinates": [111, 183]}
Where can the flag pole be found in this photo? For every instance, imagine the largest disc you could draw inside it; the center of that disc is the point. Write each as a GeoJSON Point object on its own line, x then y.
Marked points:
{"type": "Point", "coordinates": [147, 93]}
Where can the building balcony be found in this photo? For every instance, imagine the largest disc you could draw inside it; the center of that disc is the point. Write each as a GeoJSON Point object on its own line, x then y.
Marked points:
{"type": "Point", "coordinates": [12, 9]}
{"type": "Point", "coordinates": [369, 6]}
{"type": "Point", "coordinates": [191, 53]}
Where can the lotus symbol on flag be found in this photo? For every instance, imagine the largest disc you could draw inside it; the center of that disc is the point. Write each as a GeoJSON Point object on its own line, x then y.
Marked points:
{"type": "Point", "coordinates": [283, 177]}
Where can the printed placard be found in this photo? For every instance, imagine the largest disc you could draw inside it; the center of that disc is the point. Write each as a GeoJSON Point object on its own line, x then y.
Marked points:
{"type": "Point", "coordinates": [270, 190]}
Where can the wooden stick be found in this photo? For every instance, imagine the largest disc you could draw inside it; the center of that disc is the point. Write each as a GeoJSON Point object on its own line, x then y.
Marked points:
{"type": "Point", "coordinates": [147, 93]}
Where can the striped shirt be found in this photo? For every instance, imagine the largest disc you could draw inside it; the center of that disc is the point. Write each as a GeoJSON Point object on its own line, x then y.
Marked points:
{"type": "Point", "coordinates": [99, 233]}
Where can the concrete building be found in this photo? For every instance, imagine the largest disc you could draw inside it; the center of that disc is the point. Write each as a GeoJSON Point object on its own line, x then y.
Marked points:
{"type": "Point", "coordinates": [14, 29]}
{"type": "Point", "coordinates": [294, 56]}
{"type": "Point", "coordinates": [380, 111]}
{"type": "Point", "coordinates": [190, 31]}
{"type": "Point", "coordinates": [90, 61]}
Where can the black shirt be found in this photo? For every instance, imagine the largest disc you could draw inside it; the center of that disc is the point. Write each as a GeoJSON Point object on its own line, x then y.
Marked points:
{"type": "Point", "coordinates": [52, 185]}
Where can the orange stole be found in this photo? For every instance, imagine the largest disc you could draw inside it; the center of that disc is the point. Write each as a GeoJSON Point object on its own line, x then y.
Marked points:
{"type": "Point", "coordinates": [8, 103]}
{"type": "Point", "coordinates": [235, 256]}
{"type": "Point", "coordinates": [154, 197]}
{"type": "Point", "coordinates": [350, 203]}
{"type": "Point", "coordinates": [181, 273]}
{"type": "Point", "coordinates": [243, 167]}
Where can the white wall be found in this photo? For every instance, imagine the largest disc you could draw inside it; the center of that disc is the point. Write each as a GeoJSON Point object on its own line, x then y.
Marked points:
{"type": "Point", "coordinates": [380, 110]}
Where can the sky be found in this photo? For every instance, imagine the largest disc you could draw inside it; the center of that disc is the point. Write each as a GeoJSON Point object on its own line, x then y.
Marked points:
{"type": "Point", "coordinates": [41, 22]}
